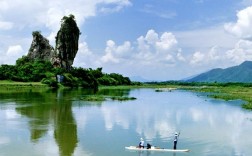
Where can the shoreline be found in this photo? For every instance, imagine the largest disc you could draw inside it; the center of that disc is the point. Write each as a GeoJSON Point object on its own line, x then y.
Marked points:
{"type": "Point", "coordinates": [218, 92]}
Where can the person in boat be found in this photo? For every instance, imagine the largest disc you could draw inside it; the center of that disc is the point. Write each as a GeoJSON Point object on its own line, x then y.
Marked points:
{"type": "Point", "coordinates": [148, 146]}
{"type": "Point", "coordinates": [175, 141]}
{"type": "Point", "coordinates": [141, 143]}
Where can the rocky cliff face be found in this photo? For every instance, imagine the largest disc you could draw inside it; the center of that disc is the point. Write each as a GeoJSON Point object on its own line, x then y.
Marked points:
{"type": "Point", "coordinates": [40, 48]}
{"type": "Point", "coordinates": [66, 45]}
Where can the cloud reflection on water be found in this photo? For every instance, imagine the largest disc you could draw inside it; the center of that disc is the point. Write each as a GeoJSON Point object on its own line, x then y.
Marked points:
{"type": "Point", "coordinates": [212, 124]}
{"type": "Point", "coordinates": [65, 126]}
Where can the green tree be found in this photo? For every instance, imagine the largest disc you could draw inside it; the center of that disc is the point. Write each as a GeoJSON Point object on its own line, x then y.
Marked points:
{"type": "Point", "coordinates": [97, 73]}
{"type": "Point", "coordinates": [120, 79]}
{"type": "Point", "coordinates": [85, 77]}
{"type": "Point", "coordinates": [106, 80]}
{"type": "Point", "coordinates": [7, 72]}
{"type": "Point", "coordinates": [70, 80]}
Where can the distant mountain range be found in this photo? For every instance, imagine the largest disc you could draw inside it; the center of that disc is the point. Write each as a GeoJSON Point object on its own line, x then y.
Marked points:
{"type": "Point", "coordinates": [240, 73]}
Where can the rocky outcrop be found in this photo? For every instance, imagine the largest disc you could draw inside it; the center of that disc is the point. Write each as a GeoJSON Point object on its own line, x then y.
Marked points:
{"type": "Point", "coordinates": [40, 48]}
{"type": "Point", "coordinates": [66, 43]}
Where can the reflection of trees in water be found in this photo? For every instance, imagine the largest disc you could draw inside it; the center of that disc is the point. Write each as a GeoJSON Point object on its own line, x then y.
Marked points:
{"type": "Point", "coordinates": [114, 92]}
{"type": "Point", "coordinates": [38, 124]}
{"type": "Point", "coordinates": [53, 107]}
{"type": "Point", "coordinates": [44, 108]}
{"type": "Point", "coordinates": [65, 131]}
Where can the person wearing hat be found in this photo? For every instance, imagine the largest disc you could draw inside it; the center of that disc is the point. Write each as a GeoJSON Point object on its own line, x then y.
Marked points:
{"type": "Point", "coordinates": [175, 140]}
{"type": "Point", "coordinates": [141, 143]}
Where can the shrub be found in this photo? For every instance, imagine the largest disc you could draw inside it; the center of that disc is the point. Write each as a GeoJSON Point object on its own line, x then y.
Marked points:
{"type": "Point", "coordinates": [69, 80]}
{"type": "Point", "coordinates": [51, 82]}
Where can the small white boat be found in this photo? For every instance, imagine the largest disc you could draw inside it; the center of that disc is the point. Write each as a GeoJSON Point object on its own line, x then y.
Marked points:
{"type": "Point", "coordinates": [153, 148]}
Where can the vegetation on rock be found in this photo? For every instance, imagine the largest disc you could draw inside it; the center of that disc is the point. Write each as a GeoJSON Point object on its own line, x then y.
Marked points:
{"type": "Point", "coordinates": [67, 40]}
{"type": "Point", "coordinates": [40, 48]}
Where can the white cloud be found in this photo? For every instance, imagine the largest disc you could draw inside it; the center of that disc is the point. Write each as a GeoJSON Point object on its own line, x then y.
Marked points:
{"type": "Point", "coordinates": [197, 57]}
{"type": "Point", "coordinates": [214, 54]}
{"type": "Point", "coordinates": [157, 53]}
{"type": "Point", "coordinates": [167, 42]}
{"type": "Point", "coordinates": [11, 114]}
{"type": "Point", "coordinates": [241, 52]}
{"type": "Point", "coordinates": [147, 49]}
{"type": "Point", "coordinates": [12, 54]}
{"type": "Point", "coordinates": [153, 48]}
{"type": "Point", "coordinates": [49, 13]}
{"type": "Point", "coordinates": [84, 50]}
{"type": "Point", "coordinates": [20, 13]}
{"type": "Point", "coordinates": [109, 58]}
{"type": "Point", "coordinates": [14, 50]}
{"type": "Point", "coordinates": [242, 27]}
{"type": "Point", "coordinates": [19, 18]}
{"type": "Point", "coordinates": [197, 114]}
{"type": "Point", "coordinates": [212, 57]}
{"type": "Point", "coordinates": [151, 37]}
{"type": "Point", "coordinates": [3, 5]}
{"type": "Point", "coordinates": [5, 25]}
{"type": "Point", "coordinates": [180, 56]}
{"type": "Point", "coordinates": [143, 48]}
{"type": "Point", "coordinates": [114, 53]}
{"type": "Point", "coordinates": [114, 6]}
{"type": "Point", "coordinates": [85, 57]}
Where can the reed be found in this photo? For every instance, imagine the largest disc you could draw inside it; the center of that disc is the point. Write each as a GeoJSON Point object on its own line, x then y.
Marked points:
{"type": "Point", "coordinates": [227, 93]}
{"type": "Point", "coordinates": [104, 98]}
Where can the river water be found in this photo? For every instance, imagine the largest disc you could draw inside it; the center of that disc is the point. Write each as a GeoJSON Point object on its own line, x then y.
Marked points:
{"type": "Point", "coordinates": [43, 123]}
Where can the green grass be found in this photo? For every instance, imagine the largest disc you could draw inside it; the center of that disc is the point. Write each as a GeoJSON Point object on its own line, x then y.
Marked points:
{"type": "Point", "coordinates": [104, 98]}
{"type": "Point", "coordinates": [93, 98]}
{"type": "Point", "coordinates": [122, 98]}
{"type": "Point", "coordinates": [18, 86]}
{"type": "Point", "coordinates": [14, 83]}
{"type": "Point", "coordinates": [227, 93]}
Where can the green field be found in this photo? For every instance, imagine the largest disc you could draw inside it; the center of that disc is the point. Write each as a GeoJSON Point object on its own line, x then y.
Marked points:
{"type": "Point", "coordinates": [10, 85]}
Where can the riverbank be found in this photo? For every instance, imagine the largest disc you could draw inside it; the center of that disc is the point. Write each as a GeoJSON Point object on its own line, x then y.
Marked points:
{"type": "Point", "coordinates": [225, 92]}
{"type": "Point", "coordinates": [13, 83]}
{"type": "Point", "coordinates": [10, 85]}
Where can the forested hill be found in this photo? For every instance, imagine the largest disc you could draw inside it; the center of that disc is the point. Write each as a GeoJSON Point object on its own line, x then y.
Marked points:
{"type": "Point", "coordinates": [240, 73]}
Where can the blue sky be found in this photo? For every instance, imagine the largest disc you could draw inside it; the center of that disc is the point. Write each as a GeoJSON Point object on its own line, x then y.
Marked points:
{"type": "Point", "coordinates": [153, 39]}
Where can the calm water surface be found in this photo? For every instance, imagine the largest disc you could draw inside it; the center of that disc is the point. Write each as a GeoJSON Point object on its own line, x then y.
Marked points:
{"type": "Point", "coordinates": [43, 123]}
